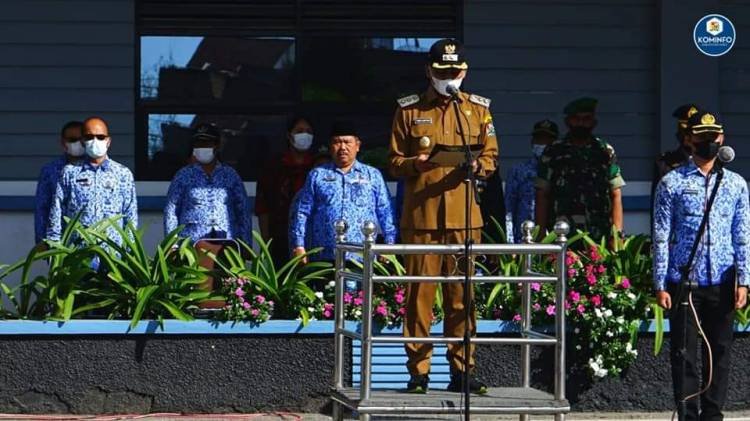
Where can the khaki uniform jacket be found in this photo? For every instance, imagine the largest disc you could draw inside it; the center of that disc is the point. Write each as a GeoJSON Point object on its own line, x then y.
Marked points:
{"type": "Point", "coordinates": [435, 199]}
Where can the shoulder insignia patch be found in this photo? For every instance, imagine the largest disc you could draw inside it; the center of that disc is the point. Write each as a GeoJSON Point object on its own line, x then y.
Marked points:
{"type": "Point", "coordinates": [485, 102]}
{"type": "Point", "coordinates": [408, 100]}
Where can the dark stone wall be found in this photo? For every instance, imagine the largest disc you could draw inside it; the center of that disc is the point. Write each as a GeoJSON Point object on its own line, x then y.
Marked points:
{"type": "Point", "coordinates": [645, 386]}
{"type": "Point", "coordinates": [127, 374]}
{"type": "Point", "coordinates": [118, 374]}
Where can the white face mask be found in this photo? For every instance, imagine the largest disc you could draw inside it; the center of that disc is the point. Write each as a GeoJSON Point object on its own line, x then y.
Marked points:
{"type": "Point", "coordinates": [96, 148]}
{"type": "Point", "coordinates": [302, 141]}
{"type": "Point", "coordinates": [441, 85]}
{"type": "Point", "coordinates": [75, 149]}
{"type": "Point", "coordinates": [204, 155]}
{"type": "Point", "coordinates": [538, 150]}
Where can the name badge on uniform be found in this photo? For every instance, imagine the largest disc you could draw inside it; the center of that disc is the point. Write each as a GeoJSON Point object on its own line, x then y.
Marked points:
{"type": "Point", "coordinates": [362, 181]}
{"type": "Point", "coordinates": [83, 181]}
{"type": "Point", "coordinates": [329, 178]}
{"type": "Point", "coordinates": [420, 121]}
{"type": "Point", "coordinates": [691, 191]}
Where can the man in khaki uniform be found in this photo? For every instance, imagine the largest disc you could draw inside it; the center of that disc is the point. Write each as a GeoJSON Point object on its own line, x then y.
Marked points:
{"type": "Point", "coordinates": [434, 202]}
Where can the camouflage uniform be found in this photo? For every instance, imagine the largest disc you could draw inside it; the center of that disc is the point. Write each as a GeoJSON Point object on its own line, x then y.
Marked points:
{"type": "Point", "coordinates": [579, 180]}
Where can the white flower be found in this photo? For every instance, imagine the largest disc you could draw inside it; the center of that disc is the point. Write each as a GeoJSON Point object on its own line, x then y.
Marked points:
{"type": "Point", "coordinates": [631, 295]}
{"type": "Point", "coordinates": [602, 372]}
{"type": "Point", "coordinates": [598, 313]}
{"type": "Point", "coordinates": [608, 313]}
{"type": "Point", "coordinates": [332, 284]}
{"type": "Point", "coordinates": [612, 295]}
{"type": "Point", "coordinates": [319, 295]}
{"type": "Point", "coordinates": [620, 319]}
{"type": "Point", "coordinates": [578, 347]}
{"type": "Point", "coordinates": [311, 309]}
{"type": "Point", "coordinates": [609, 334]}
{"type": "Point", "coordinates": [576, 331]}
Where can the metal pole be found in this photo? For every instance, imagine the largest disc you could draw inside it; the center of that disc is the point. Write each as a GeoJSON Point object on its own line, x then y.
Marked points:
{"type": "Point", "coordinates": [338, 365]}
{"type": "Point", "coordinates": [368, 229]}
{"type": "Point", "coordinates": [527, 228]}
{"type": "Point", "coordinates": [561, 229]}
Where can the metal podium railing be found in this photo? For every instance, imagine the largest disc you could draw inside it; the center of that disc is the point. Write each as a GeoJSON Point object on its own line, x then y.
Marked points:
{"type": "Point", "coordinates": [367, 402]}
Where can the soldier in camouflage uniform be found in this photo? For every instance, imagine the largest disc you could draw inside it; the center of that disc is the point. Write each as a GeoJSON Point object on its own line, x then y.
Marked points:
{"type": "Point", "coordinates": [672, 159]}
{"type": "Point", "coordinates": [578, 178]}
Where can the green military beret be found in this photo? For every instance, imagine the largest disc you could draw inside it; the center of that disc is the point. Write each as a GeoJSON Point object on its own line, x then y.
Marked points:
{"type": "Point", "coordinates": [581, 105]}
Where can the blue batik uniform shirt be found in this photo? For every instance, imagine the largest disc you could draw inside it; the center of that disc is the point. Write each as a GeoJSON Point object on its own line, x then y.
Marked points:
{"type": "Point", "coordinates": [213, 205]}
{"type": "Point", "coordinates": [328, 195]}
{"type": "Point", "coordinates": [45, 193]}
{"type": "Point", "coordinates": [520, 198]}
{"type": "Point", "coordinates": [97, 193]}
{"type": "Point", "coordinates": [679, 205]}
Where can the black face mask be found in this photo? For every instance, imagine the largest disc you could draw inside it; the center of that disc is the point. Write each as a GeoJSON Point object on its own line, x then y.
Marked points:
{"type": "Point", "coordinates": [706, 150]}
{"type": "Point", "coordinates": [580, 132]}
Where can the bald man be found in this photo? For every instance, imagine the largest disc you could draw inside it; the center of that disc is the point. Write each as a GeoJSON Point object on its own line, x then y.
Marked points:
{"type": "Point", "coordinates": [96, 187]}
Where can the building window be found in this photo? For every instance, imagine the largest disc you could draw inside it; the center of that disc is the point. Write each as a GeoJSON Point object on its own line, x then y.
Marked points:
{"type": "Point", "coordinates": [249, 67]}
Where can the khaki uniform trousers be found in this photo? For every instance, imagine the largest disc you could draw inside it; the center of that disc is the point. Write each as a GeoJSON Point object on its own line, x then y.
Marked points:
{"type": "Point", "coordinates": [420, 299]}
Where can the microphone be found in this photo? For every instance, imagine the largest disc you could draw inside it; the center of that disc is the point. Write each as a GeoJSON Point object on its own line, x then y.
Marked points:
{"type": "Point", "coordinates": [726, 154]}
{"type": "Point", "coordinates": [452, 91]}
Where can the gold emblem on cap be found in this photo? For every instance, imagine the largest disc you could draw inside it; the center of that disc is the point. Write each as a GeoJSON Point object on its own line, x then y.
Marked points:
{"type": "Point", "coordinates": [692, 111]}
{"type": "Point", "coordinates": [450, 49]}
{"type": "Point", "coordinates": [545, 124]}
{"type": "Point", "coordinates": [708, 119]}
{"type": "Point", "coordinates": [424, 142]}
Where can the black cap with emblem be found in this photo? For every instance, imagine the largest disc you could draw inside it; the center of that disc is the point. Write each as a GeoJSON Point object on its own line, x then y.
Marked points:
{"type": "Point", "coordinates": [704, 122]}
{"type": "Point", "coordinates": [207, 132]}
{"type": "Point", "coordinates": [545, 127]}
{"type": "Point", "coordinates": [448, 53]}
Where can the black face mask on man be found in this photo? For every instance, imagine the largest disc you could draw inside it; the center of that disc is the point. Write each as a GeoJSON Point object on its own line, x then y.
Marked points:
{"type": "Point", "coordinates": [706, 148]}
{"type": "Point", "coordinates": [580, 132]}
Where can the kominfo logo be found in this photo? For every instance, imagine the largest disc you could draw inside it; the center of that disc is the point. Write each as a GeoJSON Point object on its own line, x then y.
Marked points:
{"type": "Point", "coordinates": [714, 35]}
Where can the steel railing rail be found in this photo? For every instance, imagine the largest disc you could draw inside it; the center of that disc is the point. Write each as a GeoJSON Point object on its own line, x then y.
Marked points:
{"type": "Point", "coordinates": [368, 251]}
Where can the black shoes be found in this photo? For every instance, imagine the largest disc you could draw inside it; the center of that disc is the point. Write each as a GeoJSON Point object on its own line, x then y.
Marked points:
{"type": "Point", "coordinates": [418, 384]}
{"type": "Point", "coordinates": [457, 384]}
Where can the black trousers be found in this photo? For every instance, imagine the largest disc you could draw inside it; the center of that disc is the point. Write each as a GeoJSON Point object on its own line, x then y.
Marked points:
{"type": "Point", "coordinates": [715, 308]}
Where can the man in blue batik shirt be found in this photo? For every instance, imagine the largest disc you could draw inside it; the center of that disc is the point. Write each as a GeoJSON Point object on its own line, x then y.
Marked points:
{"type": "Point", "coordinates": [520, 193]}
{"type": "Point", "coordinates": [720, 267]}
{"type": "Point", "coordinates": [96, 187]}
{"type": "Point", "coordinates": [343, 189]}
{"type": "Point", "coordinates": [70, 140]}
{"type": "Point", "coordinates": [207, 197]}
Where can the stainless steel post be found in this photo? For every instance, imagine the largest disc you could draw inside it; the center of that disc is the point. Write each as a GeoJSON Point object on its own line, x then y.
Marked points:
{"type": "Point", "coordinates": [338, 365]}
{"type": "Point", "coordinates": [368, 229]}
{"type": "Point", "coordinates": [561, 229]}
{"type": "Point", "coordinates": [527, 228]}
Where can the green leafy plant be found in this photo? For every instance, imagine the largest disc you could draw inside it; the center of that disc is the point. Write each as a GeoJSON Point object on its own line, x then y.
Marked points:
{"type": "Point", "coordinates": [287, 286]}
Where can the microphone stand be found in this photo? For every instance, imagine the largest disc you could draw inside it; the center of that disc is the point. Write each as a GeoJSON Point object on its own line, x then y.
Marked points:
{"type": "Point", "coordinates": [469, 181]}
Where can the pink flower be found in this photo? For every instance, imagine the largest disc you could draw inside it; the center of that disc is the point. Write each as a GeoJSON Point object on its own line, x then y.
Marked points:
{"type": "Point", "coordinates": [399, 298]}
{"type": "Point", "coordinates": [551, 310]}
{"type": "Point", "coordinates": [246, 305]}
{"type": "Point", "coordinates": [601, 269]}
{"type": "Point", "coordinates": [255, 312]}
{"type": "Point", "coordinates": [239, 292]}
{"type": "Point", "coordinates": [260, 299]}
{"type": "Point", "coordinates": [594, 252]}
{"type": "Point", "coordinates": [571, 258]}
{"type": "Point", "coordinates": [357, 301]}
{"type": "Point", "coordinates": [402, 311]}
{"type": "Point", "coordinates": [567, 305]}
{"type": "Point", "coordinates": [625, 283]}
{"type": "Point", "coordinates": [574, 296]}
{"type": "Point", "coordinates": [240, 282]}
{"type": "Point", "coordinates": [517, 318]}
{"type": "Point", "coordinates": [589, 269]}
{"type": "Point", "coordinates": [381, 310]}
{"type": "Point", "coordinates": [327, 314]}
{"type": "Point", "coordinates": [596, 300]}
{"type": "Point", "coordinates": [536, 306]}
{"type": "Point", "coordinates": [581, 309]}
{"type": "Point", "coordinates": [270, 303]}
{"type": "Point", "coordinates": [571, 273]}
{"type": "Point", "coordinates": [347, 298]}
{"type": "Point", "coordinates": [591, 279]}
{"type": "Point", "coordinates": [536, 286]}
{"type": "Point", "coordinates": [327, 306]}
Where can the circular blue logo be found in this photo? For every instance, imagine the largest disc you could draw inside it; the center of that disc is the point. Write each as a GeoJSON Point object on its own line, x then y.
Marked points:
{"type": "Point", "coordinates": [714, 35]}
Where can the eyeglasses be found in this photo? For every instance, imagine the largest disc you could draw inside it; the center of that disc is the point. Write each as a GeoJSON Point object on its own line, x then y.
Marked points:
{"type": "Point", "coordinates": [95, 136]}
